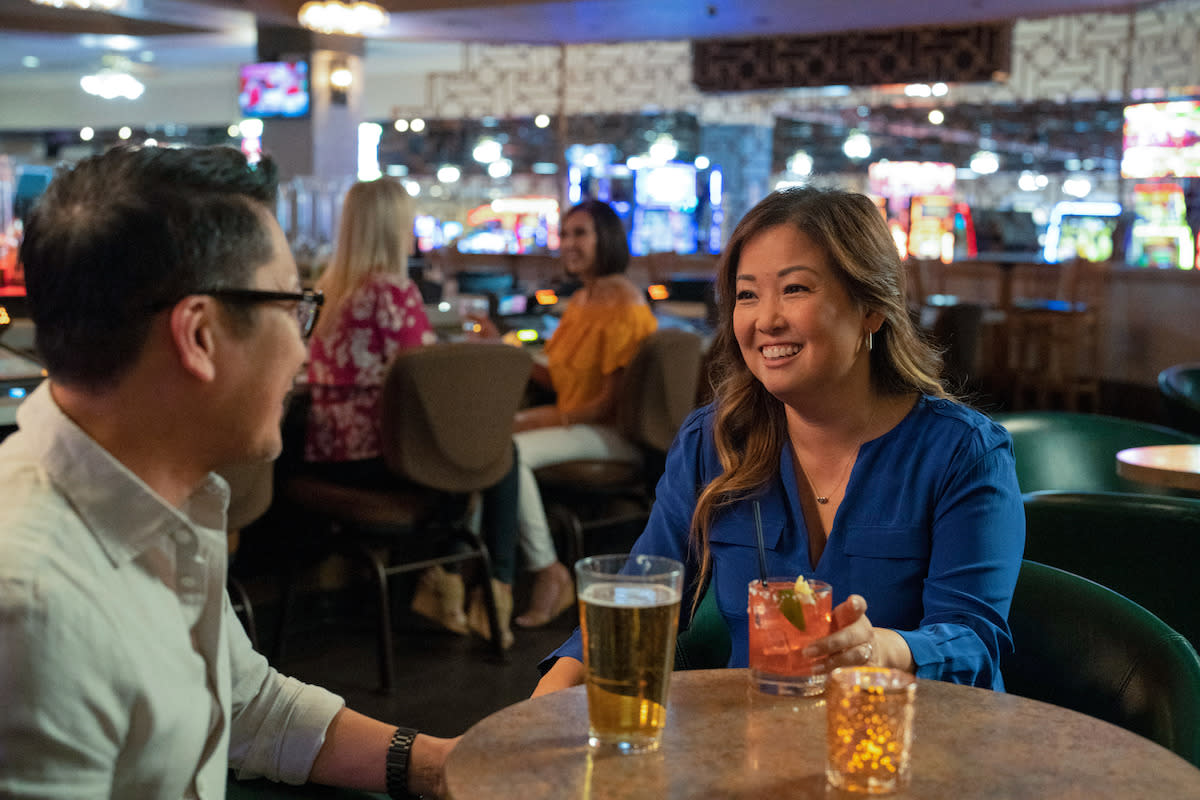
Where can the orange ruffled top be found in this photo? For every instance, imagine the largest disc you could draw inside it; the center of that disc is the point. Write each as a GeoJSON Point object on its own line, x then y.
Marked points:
{"type": "Point", "coordinates": [598, 334]}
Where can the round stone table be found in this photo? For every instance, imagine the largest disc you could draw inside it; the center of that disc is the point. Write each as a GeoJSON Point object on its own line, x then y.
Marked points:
{"type": "Point", "coordinates": [725, 740]}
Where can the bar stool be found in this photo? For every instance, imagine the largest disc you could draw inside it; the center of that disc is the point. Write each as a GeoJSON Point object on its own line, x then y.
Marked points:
{"type": "Point", "coordinates": [447, 435]}
{"type": "Point", "coordinates": [1055, 343]}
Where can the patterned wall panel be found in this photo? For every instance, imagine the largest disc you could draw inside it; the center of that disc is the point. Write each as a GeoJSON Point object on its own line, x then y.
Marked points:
{"type": "Point", "coordinates": [910, 55]}
{"type": "Point", "coordinates": [1063, 58]}
{"type": "Point", "coordinates": [629, 77]}
{"type": "Point", "coordinates": [498, 80]}
{"type": "Point", "coordinates": [1083, 57]}
{"type": "Point", "coordinates": [1166, 51]}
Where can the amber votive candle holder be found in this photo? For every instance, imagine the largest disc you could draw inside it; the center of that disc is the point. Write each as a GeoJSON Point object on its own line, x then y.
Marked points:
{"type": "Point", "coordinates": [869, 728]}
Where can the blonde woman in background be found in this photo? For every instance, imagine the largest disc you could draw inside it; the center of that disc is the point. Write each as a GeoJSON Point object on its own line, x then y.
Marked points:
{"type": "Point", "coordinates": [373, 312]}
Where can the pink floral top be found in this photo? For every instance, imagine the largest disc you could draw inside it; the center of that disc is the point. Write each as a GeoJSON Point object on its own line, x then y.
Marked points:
{"type": "Point", "coordinates": [346, 367]}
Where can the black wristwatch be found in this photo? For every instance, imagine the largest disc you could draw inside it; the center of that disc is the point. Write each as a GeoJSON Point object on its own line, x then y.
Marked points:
{"type": "Point", "coordinates": [398, 755]}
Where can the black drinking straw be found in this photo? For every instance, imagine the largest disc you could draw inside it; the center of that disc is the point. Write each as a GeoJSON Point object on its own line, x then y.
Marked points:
{"type": "Point", "coordinates": [762, 548]}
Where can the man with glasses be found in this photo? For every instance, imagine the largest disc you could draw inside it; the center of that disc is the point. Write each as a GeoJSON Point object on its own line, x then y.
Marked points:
{"type": "Point", "coordinates": [170, 318]}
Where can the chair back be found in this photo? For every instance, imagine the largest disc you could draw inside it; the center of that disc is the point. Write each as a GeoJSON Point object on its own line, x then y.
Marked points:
{"type": "Point", "coordinates": [1145, 547]}
{"type": "Point", "coordinates": [705, 644]}
{"type": "Point", "coordinates": [659, 388]}
{"type": "Point", "coordinates": [447, 413]}
{"type": "Point", "coordinates": [956, 330]}
{"type": "Point", "coordinates": [1078, 452]}
{"type": "Point", "coordinates": [1085, 647]}
{"type": "Point", "coordinates": [1179, 386]}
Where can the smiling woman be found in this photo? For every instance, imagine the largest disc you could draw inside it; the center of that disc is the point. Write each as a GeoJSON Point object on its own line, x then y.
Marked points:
{"type": "Point", "coordinates": [831, 425]}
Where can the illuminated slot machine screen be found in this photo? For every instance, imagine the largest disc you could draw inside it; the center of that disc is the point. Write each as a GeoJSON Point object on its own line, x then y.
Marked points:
{"type": "Point", "coordinates": [931, 227]}
{"type": "Point", "coordinates": [1161, 140]}
{"type": "Point", "coordinates": [1081, 230]}
{"type": "Point", "coordinates": [664, 217]}
{"type": "Point", "coordinates": [1160, 236]}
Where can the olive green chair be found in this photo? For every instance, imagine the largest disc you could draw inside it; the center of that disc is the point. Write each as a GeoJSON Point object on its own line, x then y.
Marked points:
{"type": "Point", "coordinates": [1078, 452]}
{"type": "Point", "coordinates": [1082, 646]}
{"type": "Point", "coordinates": [1145, 547]}
{"type": "Point", "coordinates": [1179, 386]}
{"type": "Point", "coordinates": [705, 643]}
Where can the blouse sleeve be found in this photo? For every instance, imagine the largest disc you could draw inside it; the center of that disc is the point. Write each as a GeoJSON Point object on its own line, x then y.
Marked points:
{"type": "Point", "coordinates": [978, 539]}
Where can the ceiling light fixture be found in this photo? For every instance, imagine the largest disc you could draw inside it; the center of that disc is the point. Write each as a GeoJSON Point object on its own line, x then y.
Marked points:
{"type": "Point", "coordinates": [86, 5]}
{"type": "Point", "coordinates": [346, 19]}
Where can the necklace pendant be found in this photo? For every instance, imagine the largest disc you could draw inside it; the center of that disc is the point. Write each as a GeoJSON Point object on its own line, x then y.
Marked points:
{"type": "Point", "coordinates": [822, 500]}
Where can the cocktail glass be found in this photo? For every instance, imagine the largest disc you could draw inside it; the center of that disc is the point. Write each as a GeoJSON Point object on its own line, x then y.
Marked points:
{"type": "Point", "coordinates": [781, 626]}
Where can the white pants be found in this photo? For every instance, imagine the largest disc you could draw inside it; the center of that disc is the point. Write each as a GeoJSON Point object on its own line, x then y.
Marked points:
{"type": "Point", "coordinates": [545, 446]}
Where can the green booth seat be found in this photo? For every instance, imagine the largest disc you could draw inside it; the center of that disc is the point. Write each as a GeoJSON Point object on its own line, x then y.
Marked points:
{"type": "Point", "coordinates": [705, 644]}
{"type": "Point", "coordinates": [1078, 452]}
{"type": "Point", "coordinates": [1179, 386]}
{"type": "Point", "coordinates": [1145, 547]}
{"type": "Point", "coordinates": [1082, 646]}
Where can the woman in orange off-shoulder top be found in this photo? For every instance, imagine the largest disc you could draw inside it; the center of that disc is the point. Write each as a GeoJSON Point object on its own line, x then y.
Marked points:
{"type": "Point", "coordinates": [605, 322]}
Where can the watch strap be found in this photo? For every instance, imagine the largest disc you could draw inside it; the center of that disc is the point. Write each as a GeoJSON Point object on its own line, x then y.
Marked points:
{"type": "Point", "coordinates": [398, 756]}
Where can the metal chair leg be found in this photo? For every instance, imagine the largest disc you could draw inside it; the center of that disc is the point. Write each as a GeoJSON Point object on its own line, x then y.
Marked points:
{"type": "Point", "coordinates": [387, 659]}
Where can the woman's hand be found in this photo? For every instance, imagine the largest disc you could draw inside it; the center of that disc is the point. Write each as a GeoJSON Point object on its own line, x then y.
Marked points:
{"type": "Point", "coordinates": [854, 642]}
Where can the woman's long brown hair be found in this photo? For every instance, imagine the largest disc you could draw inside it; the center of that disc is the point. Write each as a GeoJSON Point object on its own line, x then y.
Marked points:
{"type": "Point", "coordinates": [750, 427]}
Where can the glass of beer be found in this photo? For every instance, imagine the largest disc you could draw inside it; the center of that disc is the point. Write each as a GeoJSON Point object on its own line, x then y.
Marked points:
{"type": "Point", "coordinates": [629, 612]}
{"type": "Point", "coordinates": [869, 723]}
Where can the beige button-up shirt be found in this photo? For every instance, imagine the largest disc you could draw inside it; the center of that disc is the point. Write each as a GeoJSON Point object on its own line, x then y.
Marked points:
{"type": "Point", "coordinates": [123, 669]}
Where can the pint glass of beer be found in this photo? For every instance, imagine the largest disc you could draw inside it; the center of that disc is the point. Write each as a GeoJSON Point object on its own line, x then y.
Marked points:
{"type": "Point", "coordinates": [629, 611]}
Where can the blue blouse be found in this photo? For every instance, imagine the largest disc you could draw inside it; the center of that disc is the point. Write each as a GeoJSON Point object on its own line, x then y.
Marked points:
{"type": "Point", "coordinates": [930, 531]}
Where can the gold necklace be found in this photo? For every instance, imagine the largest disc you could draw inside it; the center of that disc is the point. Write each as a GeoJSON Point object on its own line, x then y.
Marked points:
{"type": "Point", "coordinates": [823, 499]}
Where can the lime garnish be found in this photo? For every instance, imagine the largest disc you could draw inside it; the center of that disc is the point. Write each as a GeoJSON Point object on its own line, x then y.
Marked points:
{"type": "Point", "coordinates": [792, 602]}
{"type": "Point", "coordinates": [792, 609]}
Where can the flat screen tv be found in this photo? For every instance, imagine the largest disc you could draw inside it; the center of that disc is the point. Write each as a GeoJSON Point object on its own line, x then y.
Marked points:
{"type": "Point", "coordinates": [274, 89]}
{"type": "Point", "coordinates": [1162, 140]}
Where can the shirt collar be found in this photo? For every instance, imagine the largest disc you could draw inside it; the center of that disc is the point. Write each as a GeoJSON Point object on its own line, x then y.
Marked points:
{"type": "Point", "coordinates": [125, 515]}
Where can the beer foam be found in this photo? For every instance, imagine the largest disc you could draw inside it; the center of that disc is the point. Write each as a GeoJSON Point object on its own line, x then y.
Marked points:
{"type": "Point", "coordinates": [629, 595]}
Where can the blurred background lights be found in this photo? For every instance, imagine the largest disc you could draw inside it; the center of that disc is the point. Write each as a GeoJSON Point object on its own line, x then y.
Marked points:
{"type": "Point", "coordinates": [1077, 187]}
{"type": "Point", "coordinates": [500, 168]}
{"type": "Point", "coordinates": [401, 125]}
{"type": "Point", "coordinates": [413, 188]}
{"type": "Point", "coordinates": [125, 132]}
{"type": "Point", "coordinates": [984, 162]}
{"type": "Point", "coordinates": [250, 128]}
{"type": "Point", "coordinates": [417, 125]}
{"type": "Point", "coordinates": [664, 149]}
{"type": "Point", "coordinates": [701, 162]}
{"type": "Point", "coordinates": [86, 133]}
{"type": "Point", "coordinates": [542, 121]}
{"type": "Point", "coordinates": [937, 117]}
{"type": "Point", "coordinates": [800, 163]}
{"type": "Point", "coordinates": [233, 130]}
{"type": "Point", "coordinates": [857, 145]}
{"type": "Point", "coordinates": [448, 173]}
{"type": "Point", "coordinates": [487, 151]}
{"type": "Point", "coordinates": [341, 78]}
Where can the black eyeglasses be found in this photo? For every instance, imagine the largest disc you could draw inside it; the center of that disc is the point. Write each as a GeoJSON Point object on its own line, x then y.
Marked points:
{"type": "Point", "coordinates": [308, 303]}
